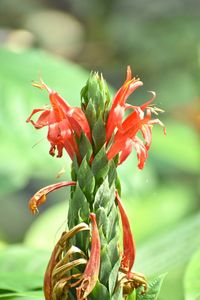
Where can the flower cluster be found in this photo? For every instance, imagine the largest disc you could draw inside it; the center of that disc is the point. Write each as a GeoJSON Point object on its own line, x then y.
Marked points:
{"type": "Point", "coordinates": [65, 122]}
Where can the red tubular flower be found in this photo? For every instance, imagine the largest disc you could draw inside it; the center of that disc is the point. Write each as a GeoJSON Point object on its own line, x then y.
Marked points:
{"type": "Point", "coordinates": [62, 121]}
{"type": "Point", "coordinates": [119, 105]}
{"type": "Point", "coordinates": [40, 197]}
{"type": "Point", "coordinates": [125, 132]}
{"type": "Point", "coordinates": [91, 272]}
{"type": "Point", "coordinates": [129, 250]}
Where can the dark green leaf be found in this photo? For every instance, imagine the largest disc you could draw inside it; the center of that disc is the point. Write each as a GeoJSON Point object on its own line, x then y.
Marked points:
{"type": "Point", "coordinates": [78, 206]}
{"type": "Point", "coordinates": [86, 179]}
{"type": "Point", "coordinates": [99, 134]}
{"type": "Point", "coordinates": [102, 196]}
{"type": "Point", "coordinates": [113, 250]}
{"type": "Point", "coordinates": [90, 114]}
{"type": "Point", "coordinates": [100, 165]}
{"type": "Point", "coordinates": [112, 174]}
{"type": "Point", "coordinates": [85, 147]}
{"type": "Point", "coordinates": [113, 277]}
{"type": "Point", "coordinates": [102, 219]}
{"type": "Point", "coordinates": [106, 266]}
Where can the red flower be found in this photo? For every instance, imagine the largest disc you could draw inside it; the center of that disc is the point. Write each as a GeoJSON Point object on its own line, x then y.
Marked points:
{"type": "Point", "coordinates": [129, 248]}
{"type": "Point", "coordinates": [40, 197]}
{"type": "Point", "coordinates": [91, 272]}
{"type": "Point", "coordinates": [119, 105]}
{"type": "Point", "coordinates": [63, 122]}
{"type": "Point", "coordinates": [125, 132]}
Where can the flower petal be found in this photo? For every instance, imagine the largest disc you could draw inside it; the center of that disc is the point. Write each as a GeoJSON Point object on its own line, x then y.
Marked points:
{"type": "Point", "coordinates": [40, 197]}
{"type": "Point", "coordinates": [129, 248]}
{"type": "Point", "coordinates": [118, 108]}
{"type": "Point", "coordinates": [91, 272]}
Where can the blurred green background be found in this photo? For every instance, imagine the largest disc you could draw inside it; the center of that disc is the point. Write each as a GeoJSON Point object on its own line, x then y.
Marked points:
{"type": "Point", "coordinates": [61, 41]}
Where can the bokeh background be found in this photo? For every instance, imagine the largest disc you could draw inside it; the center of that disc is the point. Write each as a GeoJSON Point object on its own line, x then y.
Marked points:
{"type": "Point", "coordinates": [61, 41]}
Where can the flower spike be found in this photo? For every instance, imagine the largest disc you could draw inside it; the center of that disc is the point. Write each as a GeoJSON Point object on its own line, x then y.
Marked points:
{"type": "Point", "coordinates": [40, 197]}
{"type": "Point", "coordinates": [91, 272]}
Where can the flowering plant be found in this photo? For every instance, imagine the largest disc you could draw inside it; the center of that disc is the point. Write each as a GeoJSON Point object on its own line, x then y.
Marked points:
{"type": "Point", "coordinates": [98, 137]}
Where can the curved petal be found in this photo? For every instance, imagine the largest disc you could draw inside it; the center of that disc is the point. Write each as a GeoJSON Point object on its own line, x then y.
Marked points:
{"type": "Point", "coordinates": [91, 272]}
{"type": "Point", "coordinates": [40, 197]}
{"type": "Point", "coordinates": [129, 248]}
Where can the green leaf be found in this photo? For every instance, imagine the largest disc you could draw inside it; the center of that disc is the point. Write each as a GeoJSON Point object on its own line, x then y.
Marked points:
{"type": "Point", "coordinates": [112, 220]}
{"type": "Point", "coordinates": [85, 147]}
{"type": "Point", "coordinates": [78, 206]}
{"type": "Point", "coordinates": [18, 99]}
{"type": "Point", "coordinates": [99, 134]}
{"type": "Point", "coordinates": [22, 269]}
{"type": "Point", "coordinates": [112, 174]}
{"type": "Point", "coordinates": [105, 265]}
{"type": "Point", "coordinates": [100, 292]}
{"type": "Point", "coordinates": [90, 114]}
{"type": "Point", "coordinates": [113, 276]}
{"type": "Point", "coordinates": [102, 219]}
{"type": "Point", "coordinates": [117, 294]}
{"type": "Point", "coordinates": [86, 179]}
{"type": "Point", "coordinates": [153, 290]}
{"type": "Point", "coordinates": [34, 295]}
{"type": "Point", "coordinates": [163, 252]}
{"type": "Point", "coordinates": [113, 250]}
{"type": "Point", "coordinates": [191, 280]}
{"type": "Point", "coordinates": [100, 165]}
{"type": "Point", "coordinates": [102, 196]}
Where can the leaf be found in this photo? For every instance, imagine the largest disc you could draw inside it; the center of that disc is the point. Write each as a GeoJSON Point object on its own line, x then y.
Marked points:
{"type": "Point", "coordinates": [102, 219]}
{"type": "Point", "coordinates": [17, 101]}
{"type": "Point", "coordinates": [113, 250]}
{"type": "Point", "coordinates": [102, 196]}
{"type": "Point", "coordinates": [86, 179]}
{"type": "Point", "coordinates": [153, 290]}
{"type": "Point", "coordinates": [105, 266]}
{"type": "Point", "coordinates": [117, 294]}
{"type": "Point", "coordinates": [100, 292]}
{"type": "Point", "coordinates": [85, 147]}
{"type": "Point", "coordinates": [191, 280]}
{"type": "Point", "coordinates": [113, 276]}
{"type": "Point", "coordinates": [100, 165]}
{"type": "Point", "coordinates": [99, 134]}
{"type": "Point", "coordinates": [22, 269]}
{"type": "Point", "coordinates": [112, 174]}
{"type": "Point", "coordinates": [161, 253]}
{"type": "Point", "coordinates": [34, 295]}
{"type": "Point", "coordinates": [91, 114]}
{"type": "Point", "coordinates": [78, 205]}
